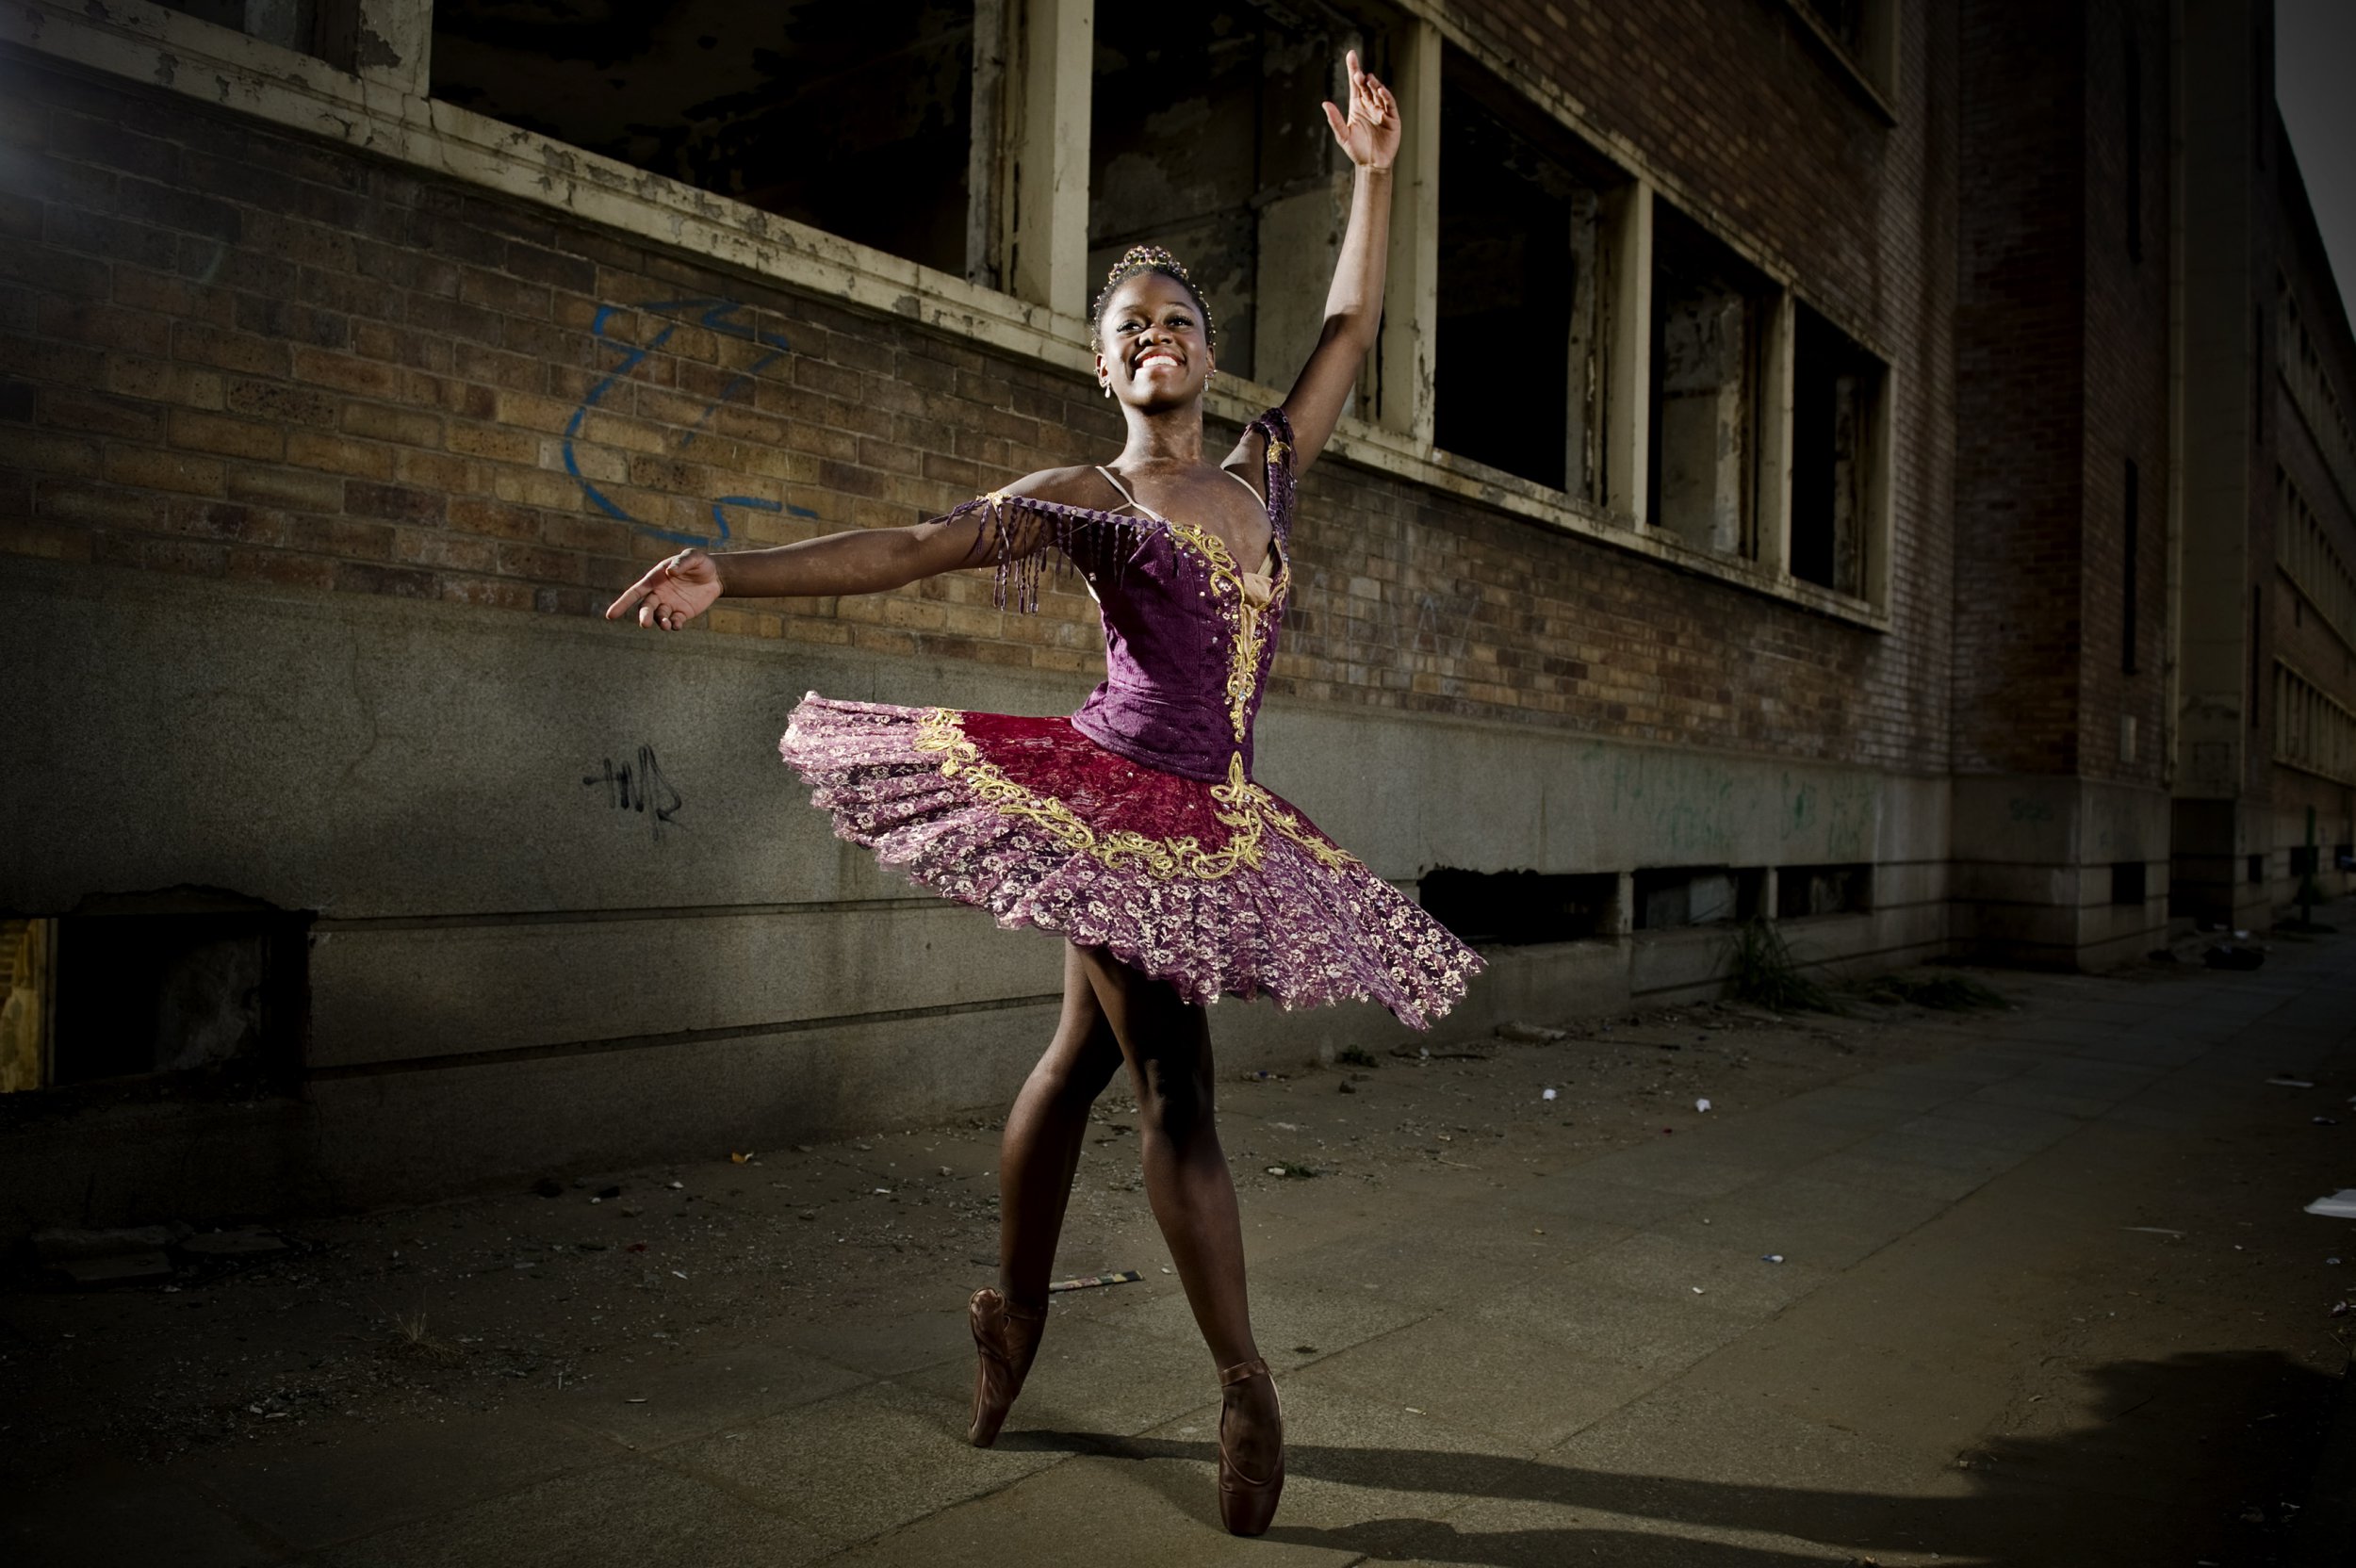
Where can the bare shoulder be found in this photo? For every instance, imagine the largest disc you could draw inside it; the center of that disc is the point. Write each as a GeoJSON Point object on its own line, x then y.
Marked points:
{"type": "Point", "coordinates": [1078, 486]}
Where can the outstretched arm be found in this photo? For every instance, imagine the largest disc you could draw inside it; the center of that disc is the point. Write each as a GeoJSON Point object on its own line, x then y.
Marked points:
{"type": "Point", "coordinates": [1353, 307]}
{"type": "Point", "coordinates": [861, 560]}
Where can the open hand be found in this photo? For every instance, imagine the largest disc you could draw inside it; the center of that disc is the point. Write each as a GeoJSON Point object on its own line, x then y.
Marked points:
{"type": "Point", "coordinates": [1369, 133]}
{"type": "Point", "coordinates": [672, 594]}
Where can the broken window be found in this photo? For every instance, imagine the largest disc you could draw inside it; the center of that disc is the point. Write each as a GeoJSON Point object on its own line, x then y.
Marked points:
{"type": "Point", "coordinates": [1517, 906]}
{"type": "Point", "coordinates": [852, 116]}
{"type": "Point", "coordinates": [1518, 366]}
{"type": "Point", "coordinates": [1206, 137]}
{"type": "Point", "coordinates": [1708, 305]}
{"type": "Point", "coordinates": [1805, 890]}
{"type": "Point", "coordinates": [1696, 895]}
{"type": "Point", "coordinates": [1836, 414]}
{"type": "Point", "coordinates": [190, 983]}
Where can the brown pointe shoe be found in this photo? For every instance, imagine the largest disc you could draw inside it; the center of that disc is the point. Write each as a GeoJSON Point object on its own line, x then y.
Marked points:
{"type": "Point", "coordinates": [1247, 1507]}
{"type": "Point", "coordinates": [1006, 1338]}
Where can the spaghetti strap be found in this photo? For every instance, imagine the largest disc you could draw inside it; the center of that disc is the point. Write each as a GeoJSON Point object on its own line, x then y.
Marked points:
{"type": "Point", "coordinates": [1245, 482]}
{"type": "Point", "coordinates": [1114, 480]}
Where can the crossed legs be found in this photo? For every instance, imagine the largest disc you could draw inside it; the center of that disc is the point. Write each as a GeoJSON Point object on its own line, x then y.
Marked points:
{"type": "Point", "coordinates": [1113, 1014]}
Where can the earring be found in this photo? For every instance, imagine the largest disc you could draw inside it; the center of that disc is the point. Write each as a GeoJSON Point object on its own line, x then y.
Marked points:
{"type": "Point", "coordinates": [1107, 386]}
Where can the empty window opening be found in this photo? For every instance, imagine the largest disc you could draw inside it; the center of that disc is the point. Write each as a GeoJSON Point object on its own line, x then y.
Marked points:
{"type": "Point", "coordinates": [2257, 870]}
{"type": "Point", "coordinates": [1519, 907]}
{"type": "Point", "coordinates": [1705, 338]}
{"type": "Point", "coordinates": [1836, 395]}
{"type": "Point", "coordinates": [190, 984]}
{"type": "Point", "coordinates": [1205, 137]}
{"type": "Point", "coordinates": [1674, 896]}
{"type": "Point", "coordinates": [2128, 881]}
{"type": "Point", "coordinates": [1519, 362]}
{"type": "Point", "coordinates": [1805, 890]}
{"type": "Point", "coordinates": [288, 24]}
{"type": "Point", "coordinates": [1862, 30]}
{"type": "Point", "coordinates": [852, 116]}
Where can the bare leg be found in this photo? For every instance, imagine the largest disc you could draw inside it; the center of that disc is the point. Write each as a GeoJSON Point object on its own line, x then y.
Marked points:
{"type": "Point", "coordinates": [1167, 1044]}
{"type": "Point", "coordinates": [1041, 1149]}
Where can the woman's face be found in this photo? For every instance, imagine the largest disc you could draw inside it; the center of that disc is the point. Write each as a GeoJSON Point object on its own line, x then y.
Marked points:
{"type": "Point", "coordinates": [1152, 349]}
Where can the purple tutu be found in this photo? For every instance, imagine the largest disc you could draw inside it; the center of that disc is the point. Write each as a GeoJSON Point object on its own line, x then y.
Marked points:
{"type": "Point", "coordinates": [1218, 888]}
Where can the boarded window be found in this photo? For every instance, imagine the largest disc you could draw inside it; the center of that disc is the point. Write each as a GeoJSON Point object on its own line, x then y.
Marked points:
{"type": "Point", "coordinates": [1706, 309]}
{"type": "Point", "coordinates": [1507, 907]}
{"type": "Point", "coordinates": [1518, 360]}
{"type": "Point", "coordinates": [1205, 135]}
{"type": "Point", "coordinates": [851, 116]}
{"type": "Point", "coordinates": [1835, 404]}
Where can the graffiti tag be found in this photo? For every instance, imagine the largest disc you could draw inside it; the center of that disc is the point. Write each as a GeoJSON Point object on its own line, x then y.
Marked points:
{"type": "Point", "coordinates": [639, 786]}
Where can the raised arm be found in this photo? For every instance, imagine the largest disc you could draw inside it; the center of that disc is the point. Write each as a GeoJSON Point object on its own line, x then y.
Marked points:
{"type": "Point", "coordinates": [861, 560]}
{"type": "Point", "coordinates": [1353, 307]}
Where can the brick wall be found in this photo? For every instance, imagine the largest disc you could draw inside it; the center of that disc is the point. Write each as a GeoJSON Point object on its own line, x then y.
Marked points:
{"type": "Point", "coordinates": [2126, 393]}
{"type": "Point", "coordinates": [239, 354]}
{"type": "Point", "coordinates": [2021, 373]}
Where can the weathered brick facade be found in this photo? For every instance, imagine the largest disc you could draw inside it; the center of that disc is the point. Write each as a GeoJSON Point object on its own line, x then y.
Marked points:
{"type": "Point", "coordinates": [330, 417]}
{"type": "Point", "coordinates": [247, 357]}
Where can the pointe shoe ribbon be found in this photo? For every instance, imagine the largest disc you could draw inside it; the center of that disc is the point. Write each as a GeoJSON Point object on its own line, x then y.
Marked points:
{"type": "Point", "coordinates": [1247, 1507]}
{"type": "Point", "coordinates": [1006, 1338]}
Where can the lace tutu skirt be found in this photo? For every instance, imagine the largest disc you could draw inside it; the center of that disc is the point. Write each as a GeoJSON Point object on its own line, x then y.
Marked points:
{"type": "Point", "coordinates": [1221, 889]}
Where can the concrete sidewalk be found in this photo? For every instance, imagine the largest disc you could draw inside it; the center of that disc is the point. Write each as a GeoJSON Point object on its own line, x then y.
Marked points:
{"type": "Point", "coordinates": [2046, 1296]}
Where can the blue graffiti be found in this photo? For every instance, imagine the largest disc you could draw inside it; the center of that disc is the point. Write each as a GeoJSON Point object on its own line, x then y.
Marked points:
{"type": "Point", "coordinates": [718, 316]}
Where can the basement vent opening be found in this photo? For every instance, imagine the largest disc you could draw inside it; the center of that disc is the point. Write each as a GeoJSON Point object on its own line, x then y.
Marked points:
{"type": "Point", "coordinates": [2257, 870]}
{"type": "Point", "coordinates": [188, 985]}
{"type": "Point", "coordinates": [2128, 881]}
{"type": "Point", "coordinates": [1675, 896]}
{"type": "Point", "coordinates": [1805, 890]}
{"type": "Point", "coordinates": [1514, 907]}
{"type": "Point", "coordinates": [852, 116]}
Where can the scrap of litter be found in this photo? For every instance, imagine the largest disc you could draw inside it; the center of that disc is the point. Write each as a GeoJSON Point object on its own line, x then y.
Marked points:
{"type": "Point", "coordinates": [1089, 1282]}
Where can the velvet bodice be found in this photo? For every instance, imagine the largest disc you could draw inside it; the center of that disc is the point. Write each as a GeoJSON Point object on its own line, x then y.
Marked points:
{"type": "Point", "coordinates": [1187, 642]}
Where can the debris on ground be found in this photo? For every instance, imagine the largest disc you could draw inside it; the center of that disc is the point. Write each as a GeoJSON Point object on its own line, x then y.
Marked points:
{"type": "Point", "coordinates": [1094, 1281]}
{"type": "Point", "coordinates": [1946, 993]}
{"type": "Point", "coordinates": [1530, 1034]}
{"type": "Point", "coordinates": [2340, 1205]}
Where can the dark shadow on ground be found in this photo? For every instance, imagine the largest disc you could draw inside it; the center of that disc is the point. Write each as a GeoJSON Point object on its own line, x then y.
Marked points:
{"type": "Point", "coordinates": [2195, 1456]}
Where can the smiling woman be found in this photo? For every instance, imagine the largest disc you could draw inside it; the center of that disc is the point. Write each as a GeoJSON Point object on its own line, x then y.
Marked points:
{"type": "Point", "coordinates": [1134, 828]}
